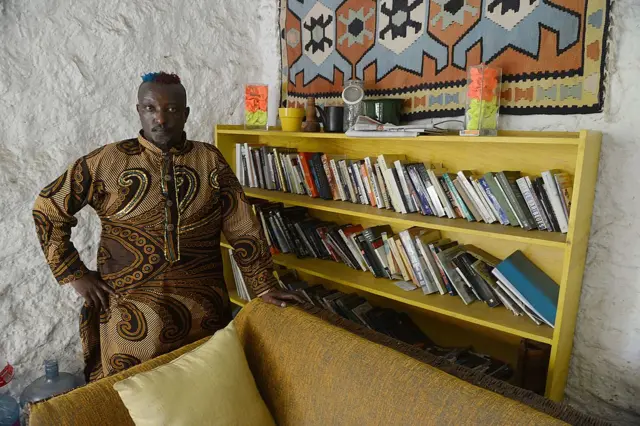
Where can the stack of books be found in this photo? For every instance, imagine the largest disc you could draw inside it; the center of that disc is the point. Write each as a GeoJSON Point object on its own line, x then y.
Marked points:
{"type": "Point", "coordinates": [241, 285]}
{"type": "Point", "coordinates": [392, 182]}
{"type": "Point", "coordinates": [415, 258]}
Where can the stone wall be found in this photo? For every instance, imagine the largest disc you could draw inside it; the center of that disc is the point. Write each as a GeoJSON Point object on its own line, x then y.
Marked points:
{"type": "Point", "coordinates": [68, 73]}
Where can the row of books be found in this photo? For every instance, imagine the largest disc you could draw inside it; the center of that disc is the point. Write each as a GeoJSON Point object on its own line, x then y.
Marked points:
{"type": "Point", "coordinates": [415, 258]}
{"type": "Point", "coordinates": [391, 182]}
{"type": "Point", "coordinates": [383, 320]}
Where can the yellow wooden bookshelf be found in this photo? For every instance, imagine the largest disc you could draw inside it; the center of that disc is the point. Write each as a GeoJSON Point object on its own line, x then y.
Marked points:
{"type": "Point", "coordinates": [562, 256]}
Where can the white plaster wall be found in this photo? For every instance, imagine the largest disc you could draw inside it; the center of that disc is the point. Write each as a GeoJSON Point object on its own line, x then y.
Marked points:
{"type": "Point", "coordinates": [69, 72]}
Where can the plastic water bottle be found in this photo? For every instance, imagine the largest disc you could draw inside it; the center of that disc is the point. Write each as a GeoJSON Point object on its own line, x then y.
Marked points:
{"type": "Point", "coordinates": [9, 409]}
{"type": "Point", "coordinates": [51, 384]}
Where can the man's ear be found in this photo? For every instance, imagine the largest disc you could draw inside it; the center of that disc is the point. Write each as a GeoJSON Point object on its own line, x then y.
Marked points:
{"type": "Point", "coordinates": [138, 108]}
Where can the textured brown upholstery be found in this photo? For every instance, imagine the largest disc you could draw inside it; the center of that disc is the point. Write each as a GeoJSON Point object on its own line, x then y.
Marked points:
{"type": "Point", "coordinates": [313, 372]}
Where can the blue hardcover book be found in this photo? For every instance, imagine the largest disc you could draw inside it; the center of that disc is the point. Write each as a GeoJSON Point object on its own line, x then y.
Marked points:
{"type": "Point", "coordinates": [539, 290]}
{"type": "Point", "coordinates": [503, 215]}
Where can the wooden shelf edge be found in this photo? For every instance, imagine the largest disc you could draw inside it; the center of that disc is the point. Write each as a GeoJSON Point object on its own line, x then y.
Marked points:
{"type": "Point", "coordinates": [366, 282]}
{"type": "Point", "coordinates": [235, 298]}
{"type": "Point", "coordinates": [505, 137]}
{"type": "Point", "coordinates": [540, 238]}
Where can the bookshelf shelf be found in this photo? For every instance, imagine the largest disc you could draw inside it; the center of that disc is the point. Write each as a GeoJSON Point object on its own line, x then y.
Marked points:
{"type": "Point", "coordinates": [551, 239]}
{"type": "Point", "coordinates": [561, 256]}
{"type": "Point", "coordinates": [477, 313]}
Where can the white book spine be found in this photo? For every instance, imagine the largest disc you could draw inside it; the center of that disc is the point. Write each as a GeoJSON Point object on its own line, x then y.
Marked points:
{"type": "Point", "coordinates": [518, 297]}
{"type": "Point", "coordinates": [416, 264]}
{"type": "Point", "coordinates": [485, 201]}
{"type": "Point", "coordinates": [355, 167]}
{"type": "Point", "coordinates": [411, 207]}
{"type": "Point", "coordinates": [473, 196]}
{"type": "Point", "coordinates": [441, 194]}
{"type": "Point", "coordinates": [374, 183]}
{"type": "Point", "coordinates": [504, 194]}
{"type": "Point", "coordinates": [394, 191]}
{"type": "Point", "coordinates": [338, 179]}
{"type": "Point", "coordinates": [239, 173]}
{"type": "Point", "coordinates": [354, 250]}
{"type": "Point", "coordinates": [433, 194]}
{"type": "Point", "coordinates": [428, 257]}
{"type": "Point", "coordinates": [554, 198]}
{"type": "Point", "coordinates": [383, 188]}
{"type": "Point", "coordinates": [488, 201]}
{"type": "Point", "coordinates": [345, 172]}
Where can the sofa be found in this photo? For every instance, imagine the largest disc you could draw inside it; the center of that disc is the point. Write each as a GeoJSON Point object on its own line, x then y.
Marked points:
{"type": "Point", "coordinates": [315, 368]}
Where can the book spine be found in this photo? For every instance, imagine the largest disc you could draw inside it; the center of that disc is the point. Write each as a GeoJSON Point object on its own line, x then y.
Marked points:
{"type": "Point", "coordinates": [338, 181]}
{"type": "Point", "coordinates": [366, 180]}
{"type": "Point", "coordinates": [400, 172]}
{"type": "Point", "coordinates": [538, 204]}
{"type": "Point", "coordinates": [348, 174]}
{"type": "Point", "coordinates": [330, 177]}
{"type": "Point", "coordinates": [538, 187]}
{"type": "Point", "coordinates": [410, 248]}
{"type": "Point", "coordinates": [432, 191]}
{"type": "Point", "coordinates": [473, 197]}
{"type": "Point", "coordinates": [421, 191]}
{"type": "Point", "coordinates": [432, 194]}
{"type": "Point", "coordinates": [407, 262]}
{"type": "Point", "coordinates": [443, 274]}
{"type": "Point", "coordinates": [563, 183]}
{"type": "Point", "coordinates": [238, 170]}
{"type": "Point", "coordinates": [374, 183]}
{"type": "Point", "coordinates": [305, 163]}
{"type": "Point", "coordinates": [428, 258]}
{"type": "Point", "coordinates": [488, 207]}
{"type": "Point", "coordinates": [457, 211]}
{"type": "Point", "coordinates": [444, 198]}
{"type": "Point", "coordinates": [357, 174]}
{"type": "Point", "coordinates": [394, 192]}
{"type": "Point", "coordinates": [552, 192]}
{"type": "Point", "coordinates": [320, 178]}
{"type": "Point", "coordinates": [501, 214]}
{"type": "Point", "coordinates": [353, 249]}
{"type": "Point", "coordinates": [383, 187]}
{"type": "Point", "coordinates": [509, 191]}
{"type": "Point", "coordinates": [458, 199]}
{"type": "Point", "coordinates": [398, 258]}
{"type": "Point", "coordinates": [474, 214]}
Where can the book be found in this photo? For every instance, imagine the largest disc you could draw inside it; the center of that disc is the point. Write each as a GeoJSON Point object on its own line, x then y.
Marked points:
{"type": "Point", "coordinates": [436, 248]}
{"type": "Point", "coordinates": [406, 262]}
{"type": "Point", "coordinates": [442, 194]}
{"type": "Point", "coordinates": [501, 197]}
{"type": "Point", "coordinates": [501, 214]}
{"type": "Point", "coordinates": [331, 177]}
{"type": "Point", "coordinates": [320, 177]}
{"type": "Point", "coordinates": [394, 191]}
{"type": "Point", "coordinates": [376, 194]}
{"type": "Point", "coordinates": [536, 289]}
{"type": "Point", "coordinates": [551, 189]}
{"type": "Point", "coordinates": [464, 210]}
{"type": "Point", "coordinates": [420, 189]}
{"type": "Point", "coordinates": [482, 288]}
{"type": "Point", "coordinates": [486, 202]}
{"type": "Point", "coordinates": [400, 172]}
{"type": "Point", "coordinates": [564, 183]}
{"type": "Point", "coordinates": [422, 243]}
{"type": "Point", "coordinates": [538, 187]}
{"type": "Point", "coordinates": [393, 247]}
{"type": "Point", "coordinates": [531, 203]}
{"type": "Point", "coordinates": [473, 212]}
{"type": "Point", "coordinates": [419, 266]}
{"type": "Point", "coordinates": [446, 260]}
{"type": "Point", "coordinates": [383, 187]}
{"type": "Point", "coordinates": [507, 181]}
{"type": "Point", "coordinates": [464, 177]}
{"type": "Point", "coordinates": [366, 180]}
{"type": "Point", "coordinates": [482, 255]}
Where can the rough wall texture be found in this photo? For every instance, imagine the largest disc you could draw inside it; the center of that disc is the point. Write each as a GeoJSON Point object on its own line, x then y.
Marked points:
{"type": "Point", "coordinates": [68, 72]}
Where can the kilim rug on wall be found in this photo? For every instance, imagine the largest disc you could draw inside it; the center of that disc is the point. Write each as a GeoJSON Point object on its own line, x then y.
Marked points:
{"type": "Point", "coordinates": [552, 52]}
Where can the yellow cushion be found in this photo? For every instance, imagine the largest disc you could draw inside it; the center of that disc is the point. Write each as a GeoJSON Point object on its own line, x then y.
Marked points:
{"type": "Point", "coordinates": [211, 385]}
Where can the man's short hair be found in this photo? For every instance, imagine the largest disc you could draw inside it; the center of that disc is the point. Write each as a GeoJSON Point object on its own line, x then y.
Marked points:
{"type": "Point", "coordinates": [160, 77]}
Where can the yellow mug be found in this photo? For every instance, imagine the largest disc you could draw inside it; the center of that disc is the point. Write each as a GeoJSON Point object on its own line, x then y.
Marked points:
{"type": "Point", "coordinates": [291, 119]}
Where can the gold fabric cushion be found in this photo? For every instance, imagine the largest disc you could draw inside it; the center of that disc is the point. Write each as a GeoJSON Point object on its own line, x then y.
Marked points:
{"type": "Point", "coordinates": [310, 372]}
{"type": "Point", "coordinates": [211, 385]}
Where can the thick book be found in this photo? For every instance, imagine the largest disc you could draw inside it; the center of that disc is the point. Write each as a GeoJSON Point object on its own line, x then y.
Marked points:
{"type": "Point", "coordinates": [404, 185]}
{"type": "Point", "coordinates": [488, 205]}
{"type": "Point", "coordinates": [500, 212]}
{"type": "Point", "coordinates": [466, 213]}
{"type": "Point", "coordinates": [508, 182]}
{"type": "Point", "coordinates": [446, 260]}
{"type": "Point", "coordinates": [501, 198]}
{"type": "Point", "coordinates": [406, 261]}
{"type": "Point", "coordinates": [340, 185]}
{"type": "Point", "coordinates": [452, 200]}
{"type": "Point", "coordinates": [305, 162]}
{"type": "Point", "coordinates": [420, 189]}
{"type": "Point", "coordinates": [394, 191]}
{"type": "Point", "coordinates": [369, 254]}
{"type": "Point", "coordinates": [551, 189]}
{"type": "Point", "coordinates": [442, 194]}
{"type": "Point", "coordinates": [422, 241]}
{"type": "Point", "coordinates": [538, 188]}
{"type": "Point", "coordinates": [483, 289]}
{"type": "Point", "coordinates": [535, 204]}
{"type": "Point", "coordinates": [330, 177]}
{"type": "Point", "coordinates": [482, 255]}
{"type": "Point", "coordinates": [417, 263]}
{"type": "Point", "coordinates": [346, 233]}
{"type": "Point", "coordinates": [564, 183]}
{"type": "Point", "coordinates": [366, 181]}
{"type": "Point", "coordinates": [393, 247]}
{"type": "Point", "coordinates": [384, 192]}
{"type": "Point", "coordinates": [475, 214]}
{"type": "Point", "coordinates": [432, 194]}
{"type": "Point", "coordinates": [320, 177]}
{"type": "Point", "coordinates": [465, 177]}
{"type": "Point", "coordinates": [373, 183]}
{"type": "Point", "coordinates": [345, 170]}
{"type": "Point", "coordinates": [536, 288]}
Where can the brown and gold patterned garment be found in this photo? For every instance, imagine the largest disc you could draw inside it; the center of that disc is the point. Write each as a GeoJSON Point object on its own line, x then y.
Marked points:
{"type": "Point", "coordinates": [161, 214]}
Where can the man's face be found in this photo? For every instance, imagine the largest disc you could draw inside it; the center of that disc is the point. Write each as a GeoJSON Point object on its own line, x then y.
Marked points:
{"type": "Point", "coordinates": [163, 113]}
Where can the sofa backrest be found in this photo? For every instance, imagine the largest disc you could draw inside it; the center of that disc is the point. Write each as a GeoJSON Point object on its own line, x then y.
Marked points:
{"type": "Point", "coordinates": [312, 372]}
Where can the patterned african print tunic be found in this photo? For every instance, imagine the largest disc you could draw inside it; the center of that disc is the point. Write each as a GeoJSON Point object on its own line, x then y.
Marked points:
{"type": "Point", "coordinates": [161, 215]}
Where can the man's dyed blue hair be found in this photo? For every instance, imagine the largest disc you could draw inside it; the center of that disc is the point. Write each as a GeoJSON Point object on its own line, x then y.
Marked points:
{"type": "Point", "coordinates": [161, 77]}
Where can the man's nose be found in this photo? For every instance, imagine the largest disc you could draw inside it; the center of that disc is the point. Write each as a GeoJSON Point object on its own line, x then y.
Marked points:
{"type": "Point", "coordinates": [160, 118]}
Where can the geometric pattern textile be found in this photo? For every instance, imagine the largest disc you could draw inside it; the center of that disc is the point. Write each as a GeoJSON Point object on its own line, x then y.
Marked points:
{"type": "Point", "coordinates": [552, 52]}
{"type": "Point", "coordinates": [162, 214]}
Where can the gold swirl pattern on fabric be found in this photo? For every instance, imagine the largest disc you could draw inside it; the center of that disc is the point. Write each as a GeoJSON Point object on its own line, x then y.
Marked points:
{"type": "Point", "coordinates": [133, 325]}
{"type": "Point", "coordinates": [120, 362]}
{"type": "Point", "coordinates": [126, 179]}
{"type": "Point", "coordinates": [54, 187]}
{"type": "Point", "coordinates": [188, 179]}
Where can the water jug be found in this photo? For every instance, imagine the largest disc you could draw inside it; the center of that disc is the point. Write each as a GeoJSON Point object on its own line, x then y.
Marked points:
{"type": "Point", "coordinates": [51, 384]}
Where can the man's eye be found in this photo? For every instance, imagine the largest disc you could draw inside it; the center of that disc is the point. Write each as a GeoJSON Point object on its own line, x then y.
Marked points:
{"type": "Point", "coordinates": [149, 108]}
{"type": "Point", "coordinates": [173, 109]}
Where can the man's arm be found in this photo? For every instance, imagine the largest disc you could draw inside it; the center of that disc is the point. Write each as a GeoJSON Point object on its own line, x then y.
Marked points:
{"type": "Point", "coordinates": [241, 228]}
{"type": "Point", "coordinates": [53, 214]}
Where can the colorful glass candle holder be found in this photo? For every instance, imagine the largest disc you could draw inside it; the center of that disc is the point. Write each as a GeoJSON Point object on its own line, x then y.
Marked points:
{"type": "Point", "coordinates": [256, 101]}
{"type": "Point", "coordinates": [483, 101]}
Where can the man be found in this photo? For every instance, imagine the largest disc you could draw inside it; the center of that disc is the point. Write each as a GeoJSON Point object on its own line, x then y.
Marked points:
{"type": "Point", "coordinates": [163, 201]}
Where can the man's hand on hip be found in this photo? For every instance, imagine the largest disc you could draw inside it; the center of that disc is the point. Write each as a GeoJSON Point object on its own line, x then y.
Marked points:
{"type": "Point", "coordinates": [281, 297]}
{"type": "Point", "coordinates": [94, 291]}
